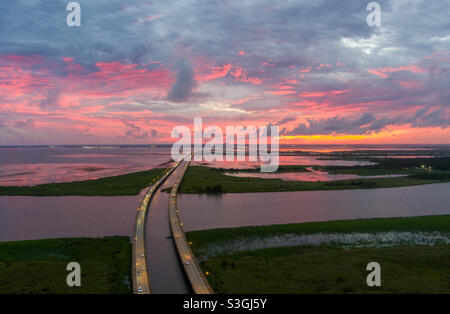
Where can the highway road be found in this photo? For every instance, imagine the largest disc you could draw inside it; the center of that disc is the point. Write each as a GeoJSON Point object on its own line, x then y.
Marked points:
{"type": "Point", "coordinates": [141, 282]}
{"type": "Point", "coordinates": [169, 258]}
{"type": "Point", "coordinates": [164, 269]}
{"type": "Point", "coordinates": [197, 279]}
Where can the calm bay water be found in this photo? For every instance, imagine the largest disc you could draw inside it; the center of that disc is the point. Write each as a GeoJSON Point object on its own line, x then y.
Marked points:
{"type": "Point", "coordinates": [27, 218]}
{"type": "Point", "coordinates": [23, 218]}
{"type": "Point", "coordinates": [37, 165]}
{"type": "Point", "coordinates": [236, 210]}
{"type": "Point", "coordinates": [46, 164]}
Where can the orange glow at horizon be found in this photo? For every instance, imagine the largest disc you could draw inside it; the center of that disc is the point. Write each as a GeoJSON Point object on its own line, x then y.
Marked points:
{"type": "Point", "coordinates": [398, 136]}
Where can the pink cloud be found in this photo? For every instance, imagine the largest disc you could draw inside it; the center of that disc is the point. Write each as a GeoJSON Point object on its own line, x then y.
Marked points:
{"type": "Point", "coordinates": [213, 73]}
{"type": "Point", "coordinates": [409, 84]}
{"type": "Point", "coordinates": [246, 99]}
{"type": "Point", "coordinates": [285, 87]}
{"type": "Point", "coordinates": [237, 72]}
{"type": "Point", "coordinates": [21, 80]}
{"type": "Point", "coordinates": [253, 80]}
{"type": "Point", "coordinates": [95, 102]}
{"type": "Point", "coordinates": [240, 75]}
{"type": "Point", "coordinates": [378, 73]}
{"type": "Point", "coordinates": [410, 68]}
{"type": "Point", "coordinates": [323, 93]}
{"type": "Point", "coordinates": [148, 18]}
{"type": "Point", "coordinates": [281, 92]}
{"type": "Point", "coordinates": [308, 69]}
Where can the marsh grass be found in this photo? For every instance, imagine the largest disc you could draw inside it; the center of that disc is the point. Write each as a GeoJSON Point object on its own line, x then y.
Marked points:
{"type": "Point", "coordinates": [39, 266]}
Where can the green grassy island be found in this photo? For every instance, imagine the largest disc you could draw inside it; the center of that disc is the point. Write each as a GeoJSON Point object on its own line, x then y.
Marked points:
{"type": "Point", "coordinates": [409, 264]}
{"type": "Point", "coordinates": [126, 184]}
{"type": "Point", "coordinates": [416, 171]}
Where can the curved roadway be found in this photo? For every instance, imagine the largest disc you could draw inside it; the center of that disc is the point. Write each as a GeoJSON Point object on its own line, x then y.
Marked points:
{"type": "Point", "coordinates": [141, 283]}
{"type": "Point", "coordinates": [164, 269]}
{"type": "Point", "coordinates": [197, 279]}
{"type": "Point", "coordinates": [164, 259]}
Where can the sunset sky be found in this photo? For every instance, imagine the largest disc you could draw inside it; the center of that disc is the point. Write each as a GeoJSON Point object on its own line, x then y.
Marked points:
{"type": "Point", "coordinates": [135, 69]}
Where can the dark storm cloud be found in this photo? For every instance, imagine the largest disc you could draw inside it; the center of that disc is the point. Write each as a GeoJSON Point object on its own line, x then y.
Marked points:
{"type": "Point", "coordinates": [365, 124]}
{"type": "Point", "coordinates": [334, 125]}
{"type": "Point", "coordinates": [285, 120]}
{"type": "Point", "coordinates": [297, 33]}
{"type": "Point", "coordinates": [430, 118]}
{"type": "Point", "coordinates": [368, 123]}
{"type": "Point", "coordinates": [137, 30]}
{"type": "Point", "coordinates": [128, 31]}
{"type": "Point", "coordinates": [137, 132]}
{"type": "Point", "coordinates": [134, 131]}
{"type": "Point", "coordinates": [108, 31]}
{"type": "Point", "coordinates": [184, 84]}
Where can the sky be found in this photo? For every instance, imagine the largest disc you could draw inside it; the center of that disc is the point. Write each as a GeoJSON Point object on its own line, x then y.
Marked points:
{"type": "Point", "coordinates": [136, 69]}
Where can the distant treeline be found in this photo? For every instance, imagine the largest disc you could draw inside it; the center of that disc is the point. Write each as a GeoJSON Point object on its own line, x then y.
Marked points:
{"type": "Point", "coordinates": [442, 163]}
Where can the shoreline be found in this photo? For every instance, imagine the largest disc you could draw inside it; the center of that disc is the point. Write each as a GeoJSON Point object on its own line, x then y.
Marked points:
{"type": "Point", "coordinates": [209, 180]}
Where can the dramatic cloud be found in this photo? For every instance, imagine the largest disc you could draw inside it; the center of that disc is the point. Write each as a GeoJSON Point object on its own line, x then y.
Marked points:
{"type": "Point", "coordinates": [338, 125]}
{"type": "Point", "coordinates": [138, 132]}
{"type": "Point", "coordinates": [185, 83]}
{"type": "Point", "coordinates": [436, 118]}
{"type": "Point", "coordinates": [316, 67]}
{"type": "Point", "coordinates": [368, 123]}
{"type": "Point", "coordinates": [285, 120]}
